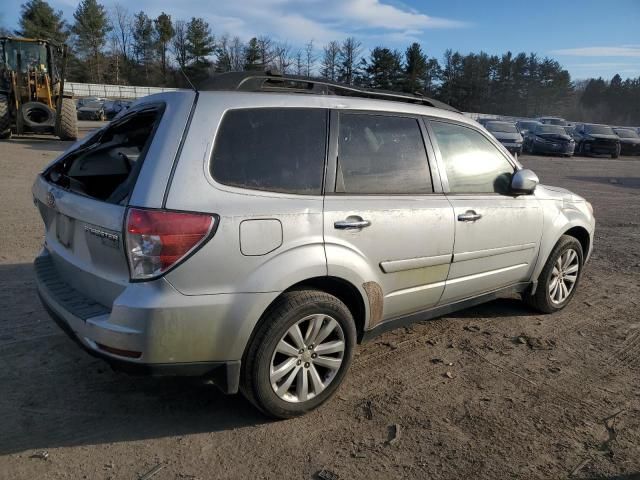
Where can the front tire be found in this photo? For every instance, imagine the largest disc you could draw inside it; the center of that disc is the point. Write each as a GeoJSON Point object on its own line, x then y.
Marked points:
{"type": "Point", "coordinates": [299, 355]}
{"type": "Point", "coordinates": [68, 120]}
{"type": "Point", "coordinates": [559, 278]}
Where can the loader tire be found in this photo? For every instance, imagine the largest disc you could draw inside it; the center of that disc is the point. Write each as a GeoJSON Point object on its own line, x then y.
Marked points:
{"type": "Point", "coordinates": [5, 117]}
{"type": "Point", "coordinates": [68, 121]}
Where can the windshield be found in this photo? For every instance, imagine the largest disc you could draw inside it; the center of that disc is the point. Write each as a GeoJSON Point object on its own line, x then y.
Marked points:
{"type": "Point", "coordinates": [527, 125]}
{"type": "Point", "coordinates": [626, 133]}
{"type": "Point", "coordinates": [501, 127]}
{"type": "Point", "coordinates": [551, 129]}
{"type": "Point", "coordinates": [598, 129]}
{"type": "Point", "coordinates": [33, 56]}
{"type": "Point", "coordinates": [94, 104]}
{"type": "Point", "coordinates": [554, 121]}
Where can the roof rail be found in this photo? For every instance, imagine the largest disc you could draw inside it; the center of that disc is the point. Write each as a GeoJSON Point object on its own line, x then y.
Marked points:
{"type": "Point", "coordinates": [274, 82]}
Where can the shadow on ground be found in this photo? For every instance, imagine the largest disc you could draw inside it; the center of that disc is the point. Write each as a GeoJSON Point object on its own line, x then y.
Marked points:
{"type": "Point", "coordinates": [56, 395]}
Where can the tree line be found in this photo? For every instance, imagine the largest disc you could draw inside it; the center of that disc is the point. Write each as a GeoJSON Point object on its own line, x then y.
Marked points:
{"type": "Point", "coordinates": [120, 47]}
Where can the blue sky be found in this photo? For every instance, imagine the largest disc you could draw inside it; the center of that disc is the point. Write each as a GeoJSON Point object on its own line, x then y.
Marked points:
{"type": "Point", "coordinates": [590, 38]}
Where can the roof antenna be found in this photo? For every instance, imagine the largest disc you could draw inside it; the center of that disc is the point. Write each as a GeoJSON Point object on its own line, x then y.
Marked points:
{"type": "Point", "coordinates": [188, 79]}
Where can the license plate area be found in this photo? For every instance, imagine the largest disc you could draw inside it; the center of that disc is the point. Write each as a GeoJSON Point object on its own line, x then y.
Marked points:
{"type": "Point", "coordinates": [64, 230]}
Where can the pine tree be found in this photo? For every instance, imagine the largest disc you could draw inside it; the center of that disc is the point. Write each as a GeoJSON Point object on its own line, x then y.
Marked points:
{"type": "Point", "coordinates": [415, 69]}
{"type": "Point", "coordinates": [252, 56]}
{"type": "Point", "coordinates": [143, 42]}
{"type": "Point", "coordinates": [384, 69]}
{"type": "Point", "coordinates": [91, 27]}
{"type": "Point", "coordinates": [39, 20]}
{"type": "Point", "coordinates": [164, 34]}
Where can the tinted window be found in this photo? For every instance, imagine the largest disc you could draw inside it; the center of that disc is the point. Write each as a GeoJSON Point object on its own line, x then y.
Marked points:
{"type": "Point", "coordinates": [599, 129]}
{"type": "Point", "coordinates": [501, 127]}
{"type": "Point", "coordinates": [381, 154]}
{"type": "Point", "coordinates": [472, 162]}
{"type": "Point", "coordinates": [551, 129]}
{"type": "Point", "coordinates": [274, 149]}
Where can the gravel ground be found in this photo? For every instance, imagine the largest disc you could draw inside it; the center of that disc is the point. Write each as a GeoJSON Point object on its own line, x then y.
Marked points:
{"type": "Point", "coordinates": [527, 395]}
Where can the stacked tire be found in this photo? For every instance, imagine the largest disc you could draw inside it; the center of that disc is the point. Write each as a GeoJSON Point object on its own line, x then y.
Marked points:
{"type": "Point", "coordinates": [5, 118]}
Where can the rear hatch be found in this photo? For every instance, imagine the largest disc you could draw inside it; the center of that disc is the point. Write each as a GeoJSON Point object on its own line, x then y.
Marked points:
{"type": "Point", "coordinates": [83, 196]}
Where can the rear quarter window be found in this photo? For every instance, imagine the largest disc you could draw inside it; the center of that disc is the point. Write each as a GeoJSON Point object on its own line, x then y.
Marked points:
{"type": "Point", "coordinates": [272, 149]}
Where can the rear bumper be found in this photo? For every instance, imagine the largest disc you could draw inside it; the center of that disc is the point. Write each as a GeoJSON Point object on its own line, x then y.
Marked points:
{"type": "Point", "coordinates": [153, 329]}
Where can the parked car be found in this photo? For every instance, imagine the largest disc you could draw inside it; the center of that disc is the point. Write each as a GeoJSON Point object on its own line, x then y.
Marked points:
{"type": "Point", "coordinates": [549, 139]}
{"type": "Point", "coordinates": [524, 126]}
{"type": "Point", "coordinates": [507, 134]}
{"type": "Point", "coordinates": [254, 236]}
{"type": "Point", "coordinates": [553, 121]}
{"type": "Point", "coordinates": [91, 110]}
{"type": "Point", "coordinates": [113, 107]}
{"type": "Point", "coordinates": [629, 141]}
{"type": "Point", "coordinates": [596, 139]}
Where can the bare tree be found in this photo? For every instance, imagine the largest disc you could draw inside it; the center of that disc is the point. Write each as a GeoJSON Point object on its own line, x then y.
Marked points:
{"type": "Point", "coordinates": [329, 68]}
{"type": "Point", "coordinates": [299, 62]}
{"type": "Point", "coordinates": [121, 22]}
{"type": "Point", "coordinates": [265, 51]}
{"type": "Point", "coordinates": [310, 57]}
{"type": "Point", "coordinates": [282, 54]}
{"type": "Point", "coordinates": [179, 43]}
{"type": "Point", "coordinates": [236, 54]}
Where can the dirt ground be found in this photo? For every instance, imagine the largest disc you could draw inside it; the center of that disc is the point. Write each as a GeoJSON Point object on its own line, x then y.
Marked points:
{"type": "Point", "coordinates": [527, 395]}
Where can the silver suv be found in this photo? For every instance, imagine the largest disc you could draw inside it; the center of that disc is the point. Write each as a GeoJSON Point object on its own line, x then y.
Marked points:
{"type": "Point", "coordinates": [255, 231]}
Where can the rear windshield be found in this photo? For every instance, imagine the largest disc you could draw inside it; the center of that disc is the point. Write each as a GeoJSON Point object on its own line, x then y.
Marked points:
{"type": "Point", "coordinates": [502, 127]}
{"type": "Point", "coordinates": [107, 165]}
{"type": "Point", "coordinates": [598, 129]}
{"type": "Point", "coordinates": [273, 149]}
{"type": "Point", "coordinates": [551, 129]}
{"type": "Point", "coordinates": [626, 133]}
{"type": "Point", "coordinates": [554, 121]}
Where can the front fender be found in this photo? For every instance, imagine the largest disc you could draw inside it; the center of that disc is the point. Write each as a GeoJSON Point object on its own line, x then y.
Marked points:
{"type": "Point", "coordinates": [568, 215]}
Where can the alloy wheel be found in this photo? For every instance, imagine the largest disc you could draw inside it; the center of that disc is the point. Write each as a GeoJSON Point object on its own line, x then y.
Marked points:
{"type": "Point", "coordinates": [564, 276]}
{"type": "Point", "coordinates": [307, 358]}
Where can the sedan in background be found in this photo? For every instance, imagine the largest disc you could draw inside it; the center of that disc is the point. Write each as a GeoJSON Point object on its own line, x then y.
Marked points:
{"type": "Point", "coordinates": [507, 134]}
{"type": "Point", "coordinates": [553, 139]}
{"type": "Point", "coordinates": [525, 126]}
{"type": "Point", "coordinates": [91, 110]}
{"type": "Point", "coordinates": [629, 141]}
{"type": "Point", "coordinates": [553, 121]}
{"type": "Point", "coordinates": [594, 139]}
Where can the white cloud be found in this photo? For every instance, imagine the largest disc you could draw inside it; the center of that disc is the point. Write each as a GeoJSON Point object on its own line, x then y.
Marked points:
{"type": "Point", "coordinates": [614, 51]}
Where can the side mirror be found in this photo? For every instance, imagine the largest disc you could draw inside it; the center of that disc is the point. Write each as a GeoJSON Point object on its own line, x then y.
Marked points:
{"type": "Point", "coordinates": [524, 182]}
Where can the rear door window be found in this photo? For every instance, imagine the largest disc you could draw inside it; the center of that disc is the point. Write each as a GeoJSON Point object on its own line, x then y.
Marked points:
{"type": "Point", "coordinates": [381, 154]}
{"type": "Point", "coordinates": [273, 149]}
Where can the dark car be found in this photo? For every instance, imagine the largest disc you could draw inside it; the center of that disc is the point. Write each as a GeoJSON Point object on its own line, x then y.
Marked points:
{"type": "Point", "coordinates": [545, 138]}
{"type": "Point", "coordinates": [91, 110]}
{"type": "Point", "coordinates": [629, 141]}
{"type": "Point", "coordinates": [594, 139]}
{"type": "Point", "coordinates": [553, 121]}
{"type": "Point", "coordinates": [525, 126]}
{"type": "Point", "coordinates": [507, 134]}
{"type": "Point", "coordinates": [114, 107]}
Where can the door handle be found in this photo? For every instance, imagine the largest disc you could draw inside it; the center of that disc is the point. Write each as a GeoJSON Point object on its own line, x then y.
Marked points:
{"type": "Point", "coordinates": [469, 216]}
{"type": "Point", "coordinates": [352, 222]}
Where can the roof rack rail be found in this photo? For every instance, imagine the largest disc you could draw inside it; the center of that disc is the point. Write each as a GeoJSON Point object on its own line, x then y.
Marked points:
{"type": "Point", "coordinates": [271, 81]}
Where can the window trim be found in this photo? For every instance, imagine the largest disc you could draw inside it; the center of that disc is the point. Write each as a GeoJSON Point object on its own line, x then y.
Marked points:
{"type": "Point", "coordinates": [266, 193]}
{"type": "Point", "coordinates": [442, 167]}
{"type": "Point", "coordinates": [333, 151]}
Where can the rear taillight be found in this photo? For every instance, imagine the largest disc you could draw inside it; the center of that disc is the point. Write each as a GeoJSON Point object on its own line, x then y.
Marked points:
{"type": "Point", "coordinates": [158, 240]}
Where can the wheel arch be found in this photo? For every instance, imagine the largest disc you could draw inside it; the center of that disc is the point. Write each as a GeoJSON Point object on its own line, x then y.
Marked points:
{"type": "Point", "coordinates": [340, 288]}
{"type": "Point", "coordinates": [582, 235]}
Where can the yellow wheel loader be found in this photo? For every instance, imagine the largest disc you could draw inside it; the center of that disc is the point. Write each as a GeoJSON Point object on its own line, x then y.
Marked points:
{"type": "Point", "coordinates": [32, 96]}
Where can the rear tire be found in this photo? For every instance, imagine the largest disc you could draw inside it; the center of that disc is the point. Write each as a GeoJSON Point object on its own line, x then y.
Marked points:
{"type": "Point", "coordinates": [617, 153]}
{"type": "Point", "coordinates": [561, 272]}
{"type": "Point", "coordinates": [280, 370]}
{"type": "Point", "coordinates": [5, 117]}
{"type": "Point", "coordinates": [68, 121]}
